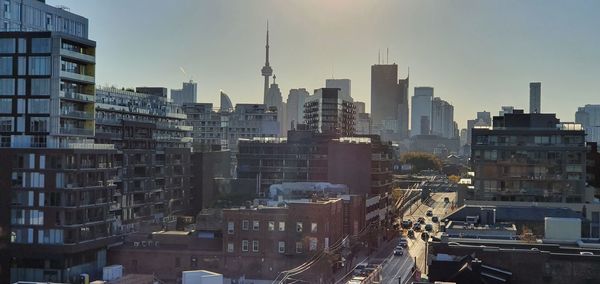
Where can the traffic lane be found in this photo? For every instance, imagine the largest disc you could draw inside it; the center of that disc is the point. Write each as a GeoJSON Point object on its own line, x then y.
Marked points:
{"type": "Point", "coordinates": [391, 267]}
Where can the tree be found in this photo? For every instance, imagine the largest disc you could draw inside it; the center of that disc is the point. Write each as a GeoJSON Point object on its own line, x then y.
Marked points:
{"type": "Point", "coordinates": [421, 161]}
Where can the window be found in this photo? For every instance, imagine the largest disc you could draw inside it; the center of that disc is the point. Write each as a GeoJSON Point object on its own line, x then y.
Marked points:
{"type": "Point", "coordinates": [36, 217]}
{"type": "Point", "coordinates": [6, 124]}
{"type": "Point", "coordinates": [230, 228]}
{"type": "Point", "coordinates": [230, 247]}
{"type": "Point", "coordinates": [255, 246]}
{"type": "Point", "coordinates": [281, 226]}
{"type": "Point", "coordinates": [39, 106]}
{"type": "Point", "coordinates": [40, 87]}
{"type": "Point", "coordinates": [6, 106]}
{"type": "Point", "coordinates": [22, 65]}
{"type": "Point", "coordinates": [38, 124]}
{"type": "Point", "coordinates": [313, 244]}
{"type": "Point", "coordinates": [7, 87]}
{"type": "Point", "coordinates": [17, 216]}
{"type": "Point", "coordinates": [244, 245]}
{"type": "Point", "coordinates": [40, 45]}
{"type": "Point", "coordinates": [6, 66]}
{"type": "Point", "coordinates": [39, 65]}
{"type": "Point", "coordinates": [299, 227]}
{"type": "Point", "coordinates": [245, 225]}
{"type": "Point", "coordinates": [313, 227]}
{"type": "Point", "coordinates": [22, 45]}
{"type": "Point", "coordinates": [281, 247]}
{"type": "Point", "coordinates": [255, 225]}
{"type": "Point", "coordinates": [298, 247]}
{"type": "Point", "coordinates": [21, 87]}
{"type": "Point", "coordinates": [271, 226]}
{"type": "Point", "coordinates": [51, 236]}
{"type": "Point", "coordinates": [7, 45]}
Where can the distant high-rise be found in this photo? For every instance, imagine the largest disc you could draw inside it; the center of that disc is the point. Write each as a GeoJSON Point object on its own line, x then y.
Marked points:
{"type": "Point", "coordinates": [442, 118]}
{"type": "Point", "coordinates": [187, 94]}
{"type": "Point", "coordinates": [274, 100]}
{"type": "Point", "coordinates": [360, 107]}
{"type": "Point", "coordinates": [535, 97]}
{"type": "Point", "coordinates": [389, 101]}
{"type": "Point", "coordinates": [295, 107]}
{"type": "Point", "coordinates": [266, 71]}
{"type": "Point", "coordinates": [505, 110]}
{"type": "Point", "coordinates": [589, 117]}
{"type": "Point", "coordinates": [328, 112]}
{"type": "Point", "coordinates": [342, 84]}
{"type": "Point", "coordinates": [421, 111]}
{"type": "Point", "coordinates": [485, 116]}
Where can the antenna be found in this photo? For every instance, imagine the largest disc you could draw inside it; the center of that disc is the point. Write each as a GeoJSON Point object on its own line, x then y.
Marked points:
{"type": "Point", "coordinates": [378, 56]}
{"type": "Point", "coordinates": [388, 55]}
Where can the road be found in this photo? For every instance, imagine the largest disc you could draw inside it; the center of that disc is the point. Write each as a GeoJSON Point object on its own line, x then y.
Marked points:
{"type": "Point", "coordinates": [400, 266]}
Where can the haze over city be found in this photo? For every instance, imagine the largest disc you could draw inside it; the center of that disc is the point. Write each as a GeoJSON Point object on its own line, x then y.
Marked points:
{"type": "Point", "coordinates": [477, 55]}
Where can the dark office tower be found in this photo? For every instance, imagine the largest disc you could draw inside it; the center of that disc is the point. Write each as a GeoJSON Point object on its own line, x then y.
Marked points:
{"type": "Point", "coordinates": [56, 182]}
{"type": "Point", "coordinates": [535, 97]}
{"type": "Point", "coordinates": [328, 112]}
{"type": "Point", "coordinates": [389, 101]}
{"type": "Point", "coordinates": [150, 133]}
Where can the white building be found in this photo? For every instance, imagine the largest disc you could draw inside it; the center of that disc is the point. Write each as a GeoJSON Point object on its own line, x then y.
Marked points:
{"type": "Point", "coordinates": [420, 123]}
{"type": "Point", "coordinates": [295, 107]}
{"type": "Point", "coordinates": [344, 85]}
{"type": "Point", "coordinates": [589, 117]}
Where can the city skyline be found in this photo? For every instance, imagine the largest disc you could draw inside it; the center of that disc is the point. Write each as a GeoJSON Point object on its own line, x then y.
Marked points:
{"type": "Point", "coordinates": [444, 48]}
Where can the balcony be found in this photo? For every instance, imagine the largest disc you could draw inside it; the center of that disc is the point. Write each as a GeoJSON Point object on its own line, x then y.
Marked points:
{"type": "Point", "coordinates": [77, 114]}
{"type": "Point", "coordinates": [77, 77]}
{"type": "Point", "coordinates": [77, 55]}
{"type": "Point", "coordinates": [76, 131]}
{"type": "Point", "coordinates": [76, 96]}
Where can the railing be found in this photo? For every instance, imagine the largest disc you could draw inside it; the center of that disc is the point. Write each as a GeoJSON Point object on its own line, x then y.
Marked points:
{"type": "Point", "coordinates": [77, 114]}
{"type": "Point", "coordinates": [91, 146]}
{"type": "Point", "coordinates": [76, 131]}
{"type": "Point", "coordinates": [76, 96]}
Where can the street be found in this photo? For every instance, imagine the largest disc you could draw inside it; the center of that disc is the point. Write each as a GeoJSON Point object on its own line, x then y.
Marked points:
{"type": "Point", "coordinates": [400, 266]}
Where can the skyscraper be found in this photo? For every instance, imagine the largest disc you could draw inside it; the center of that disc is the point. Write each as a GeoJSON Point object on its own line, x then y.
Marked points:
{"type": "Point", "coordinates": [274, 100]}
{"type": "Point", "coordinates": [421, 111]}
{"type": "Point", "coordinates": [535, 97]}
{"type": "Point", "coordinates": [589, 117]}
{"type": "Point", "coordinates": [266, 71]}
{"type": "Point", "coordinates": [187, 94]}
{"type": "Point", "coordinates": [442, 118]}
{"type": "Point", "coordinates": [342, 84]}
{"type": "Point", "coordinates": [389, 101]}
{"type": "Point", "coordinates": [329, 112]}
{"type": "Point", "coordinates": [295, 107]}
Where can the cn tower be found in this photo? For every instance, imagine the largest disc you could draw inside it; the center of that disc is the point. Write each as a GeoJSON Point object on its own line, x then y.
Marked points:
{"type": "Point", "coordinates": [267, 71]}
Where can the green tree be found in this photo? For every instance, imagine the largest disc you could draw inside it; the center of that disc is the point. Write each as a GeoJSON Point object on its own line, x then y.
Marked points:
{"type": "Point", "coordinates": [421, 161]}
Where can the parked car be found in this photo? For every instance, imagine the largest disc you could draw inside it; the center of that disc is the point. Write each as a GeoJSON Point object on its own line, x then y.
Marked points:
{"type": "Point", "coordinates": [435, 219]}
{"type": "Point", "coordinates": [411, 233]}
{"type": "Point", "coordinates": [425, 236]}
{"type": "Point", "coordinates": [428, 227]}
{"type": "Point", "coordinates": [406, 224]}
{"type": "Point", "coordinates": [429, 213]}
{"type": "Point", "coordinates": [417, 227]}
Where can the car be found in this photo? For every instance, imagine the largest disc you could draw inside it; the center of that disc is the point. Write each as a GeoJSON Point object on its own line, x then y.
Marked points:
{"type": "Point", "coordinates": [435, 219]}
{"type": "Point", "coordinates": [421, 220]}
{"type": "Point", "coordinates": [398, 251]}
{"type": "Point", "coordinates": [417, 227]}
{"type": "Point", "coordinates": [406, 224]}
{"type": "Point", "coordinates": [586, 253]}
{"type": "Point", "coordinates": [428, 227]}
{"type": "Point", "coordinates": [411, 233]}
{"type": "Point", "coordinates": [403, 242]}
{"type": "Point", "coordinates": [429, 213]}
{"type": "Point", "coordinates": [425, 236]}
{"type": "Point", "coordinates": [446, 200]}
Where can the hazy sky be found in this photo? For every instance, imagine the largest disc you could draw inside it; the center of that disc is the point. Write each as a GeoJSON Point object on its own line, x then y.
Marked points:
{"type": "Point", "coordinates": [478, 55]}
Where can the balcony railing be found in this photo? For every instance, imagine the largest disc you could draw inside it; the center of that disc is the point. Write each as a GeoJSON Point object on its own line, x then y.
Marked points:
{"type": "Point", "coordinates": [76, 131]}
{"type": "Point", "coordinates": [76, 96]}
{"type": "Point", "coordinates": [76, 114]}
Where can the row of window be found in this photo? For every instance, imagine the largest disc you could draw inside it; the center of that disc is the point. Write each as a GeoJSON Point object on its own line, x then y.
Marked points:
{"type": "Point", "coordinates": [280, 246]}
{"type": "Point", "coordinates": [26, 217]}
{"type": "Point", "coordinates": [38, 87]}
{"type": "Point", "coordinates": [26, 235]}
{"type": "Point", "coordinates": [38, 65]}
{"type": "Point", "coordinates": [38, 45]}
{"type": "Point", "coordinates": [34, 106]}
{"type": "Point", "coordinates": [270, 226]}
